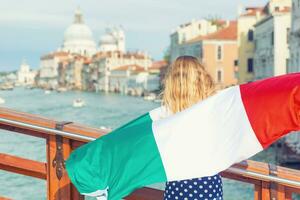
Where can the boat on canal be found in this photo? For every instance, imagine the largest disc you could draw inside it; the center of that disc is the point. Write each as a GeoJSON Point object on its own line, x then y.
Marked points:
{"type": "Point", "coordinates": [2, 101]}
{"type": "Point", "coordinates": [78, 103]}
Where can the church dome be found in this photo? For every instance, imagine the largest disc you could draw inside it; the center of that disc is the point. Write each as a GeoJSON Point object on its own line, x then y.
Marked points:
{"type": "Point", "coordinates": [112, 40]}
{"type": "Point", "coordinates": [107, 39]}
{"type": "Point", "coordinates": [78, 37]}
{"type": "Point", "coordinates": [78, 32]}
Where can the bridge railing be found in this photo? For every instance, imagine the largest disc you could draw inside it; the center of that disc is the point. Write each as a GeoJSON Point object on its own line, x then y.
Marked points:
{"type": "Point", "coordinates": [270, 182]}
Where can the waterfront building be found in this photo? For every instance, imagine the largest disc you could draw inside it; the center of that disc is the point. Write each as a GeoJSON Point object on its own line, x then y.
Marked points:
{"type": "Point", "coordinates": [89, 76]}
{"type": "Point", "coordinates": [156, 66]}
{"type": "Point", "coordinates": [132, 79]}
{"type": "Point", "coordinates": [158, 70]}
{"type": "Point", "coordinates": [218, 53]}
{"type": "Point", "coordinates": [79, 65]}
{"type": "Point", "coordinates": [271, 35]}
{"type": "Point", "coordinates": [189, 31]}
{"type": "Point", "coordinates": [78, 37]}
{"type": "Point", "coordinates": [127, 78]}
{"type": "Point", "coordinates": [48, 73]}
{"type": "Point", "coordinates": [112, 40]}
{"type": "Point", "coordinates": [62, 68]}
{"type": "Point", "coordinates": [73, 72]}
{"type": "Point", "coordinates": [247, 18]}
{"type": "Point", "coordinates": [106, 62]}
{"type": "Point", "coordinates": [294, 42]}
{"type": "Point", "coordinates": [10, 79]}
{"type": "Point", "coordinates": [25, 75]}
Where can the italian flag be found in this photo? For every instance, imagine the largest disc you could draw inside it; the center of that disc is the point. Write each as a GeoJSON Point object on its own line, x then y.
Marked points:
{"type": "Point", "coordinates": [203, 140]}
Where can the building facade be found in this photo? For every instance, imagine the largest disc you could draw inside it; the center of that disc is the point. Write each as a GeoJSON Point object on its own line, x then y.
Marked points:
{"type": "Point", "coordinates": [188, 31]}
{"type": "Point", "coordinates": [106, 62]}
{"type": "Point", "coordinates": [49, 64]}
{"type": "Point", "coordinates": [294, 43]}
{"type": "Point", "coordinates": [218, 52]}
{"type": "Point", "coordinates": [78, 64]}
{"type": "Point", "coordinates": [220, 55]}
{"type": "Point", "coordinates": [247, 18]}
{"type": "Point", "coordinates": [271, 54]}
{"type": "Point", "coordinates": [89, 76]}
{"type": "Point", "coordinates": [25, 75]}
{"type": "Point", "coordinates": [73, 72]}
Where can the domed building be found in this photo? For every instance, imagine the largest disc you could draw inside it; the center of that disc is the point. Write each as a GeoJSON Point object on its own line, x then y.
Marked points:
{"type": "Point", "coordinates": [78, 37]}
{"type": "Point", "coordinates": [112, 40]}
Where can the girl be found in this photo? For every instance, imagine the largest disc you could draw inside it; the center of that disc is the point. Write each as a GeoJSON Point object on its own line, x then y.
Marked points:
{"type": "Point", "coordinates": [186, 83]}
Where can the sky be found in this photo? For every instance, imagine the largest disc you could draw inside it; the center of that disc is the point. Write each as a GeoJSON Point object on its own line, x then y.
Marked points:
{"type": "Point", "coordinates": [32, 28]}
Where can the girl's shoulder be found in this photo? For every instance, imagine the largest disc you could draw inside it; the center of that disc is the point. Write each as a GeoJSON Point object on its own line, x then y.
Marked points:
{"type": "Point", "coordinates": [160, 113]}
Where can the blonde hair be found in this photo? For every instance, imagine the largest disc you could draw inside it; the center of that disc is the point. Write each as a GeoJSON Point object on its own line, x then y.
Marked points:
{"type": "Point", "coordinates": [186, 83]}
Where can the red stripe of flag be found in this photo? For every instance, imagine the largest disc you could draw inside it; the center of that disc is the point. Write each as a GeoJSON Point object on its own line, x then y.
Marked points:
{"type": "Point", "coordinates": [273, 106]}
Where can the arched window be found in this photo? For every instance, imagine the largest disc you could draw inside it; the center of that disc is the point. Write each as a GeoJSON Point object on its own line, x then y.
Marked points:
{"type": "Point", "coordinates": [219, 52]}
{"type": "Point", "coordinates": [272, 38]}
{"type": "Point", "coordinates": [219, 76]}
{"type": "Point", "coordinates": [250, 35]}
{"type": "Point", "coordinates": [250, 65]}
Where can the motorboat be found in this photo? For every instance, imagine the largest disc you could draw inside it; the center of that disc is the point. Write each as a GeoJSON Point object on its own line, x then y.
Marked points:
{"type": "Point", "coordinates": [77, 103]}
{"type": "Point", "coordinates": [2, 101]}
{"type": "Point", "coordinates": [61, 89]}
{"type": "Point", "coordinates": [150, 97]}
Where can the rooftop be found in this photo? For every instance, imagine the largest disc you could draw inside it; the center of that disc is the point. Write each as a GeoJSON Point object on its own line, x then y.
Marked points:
{"type": "Point", "coordinates": [158, 64]}
{"type": "Point", "coordinates": [55, 54]}
{"type": "Point", "coordinates": [252, 11]}
{"type": "Point", "coordinates": [135, 68]}
{"type": "Point", "coordinates": [119, 54]}
{"type": "Point", "coordinates": [227, 33]}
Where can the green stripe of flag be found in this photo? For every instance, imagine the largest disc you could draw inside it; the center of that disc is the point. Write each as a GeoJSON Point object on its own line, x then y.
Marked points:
{"type": "Point", "coordinates": [96, 165]}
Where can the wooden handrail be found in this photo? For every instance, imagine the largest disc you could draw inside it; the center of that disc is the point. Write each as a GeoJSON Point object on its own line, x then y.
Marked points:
{"type": "Point", "coordinates": [23, 166]}
{"type": "Point", "coordinates": [262, 175]}
{"type": "Point", "coordinates": [37, 120]}
{"type": "Point", "coordinates": [3, 198]}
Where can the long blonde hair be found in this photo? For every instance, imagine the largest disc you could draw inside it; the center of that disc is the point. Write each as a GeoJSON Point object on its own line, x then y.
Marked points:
{"type": "Point", "coordinates": [186, 83]}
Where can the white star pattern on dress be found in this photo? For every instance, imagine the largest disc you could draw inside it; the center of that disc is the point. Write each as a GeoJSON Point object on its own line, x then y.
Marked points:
{"type": "Point", "coordinates": [205, 188]}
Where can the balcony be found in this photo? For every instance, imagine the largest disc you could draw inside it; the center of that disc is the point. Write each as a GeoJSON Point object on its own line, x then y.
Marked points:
{"type": "Point", "coordinates": [270, 182]}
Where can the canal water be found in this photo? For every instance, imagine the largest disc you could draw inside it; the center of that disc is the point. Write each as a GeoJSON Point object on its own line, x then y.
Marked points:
{"type": "Point", "coordinates": [109, 110]}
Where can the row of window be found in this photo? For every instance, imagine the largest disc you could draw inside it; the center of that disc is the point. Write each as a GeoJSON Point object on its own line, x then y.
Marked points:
{"type": "Point", "coordinates": [250, 64]}
{"type": "Point", "coordinates": [251, 36]}
{"type": "Point", "coordinates": [289, 63]}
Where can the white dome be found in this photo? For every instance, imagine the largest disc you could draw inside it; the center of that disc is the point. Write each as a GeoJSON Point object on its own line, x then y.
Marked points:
{"type": "Point", "coordinates": [107, 39]}
{"type": "Point", "coordinates": [78, 37]}
{"type": "Point", "coordinates": [118, 32]}
{"type": "Point", "coordinates": [78, 32]}
{"type": "Point", "coordinates": [112, 40]}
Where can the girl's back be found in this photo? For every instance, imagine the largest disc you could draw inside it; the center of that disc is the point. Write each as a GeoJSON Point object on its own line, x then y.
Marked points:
{"type": "Point", "coordinates": [186, 83]}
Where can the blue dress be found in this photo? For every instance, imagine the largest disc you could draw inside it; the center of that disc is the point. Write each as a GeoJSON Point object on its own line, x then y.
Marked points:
{"type": "Point", "coordinates": [206, 188]}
